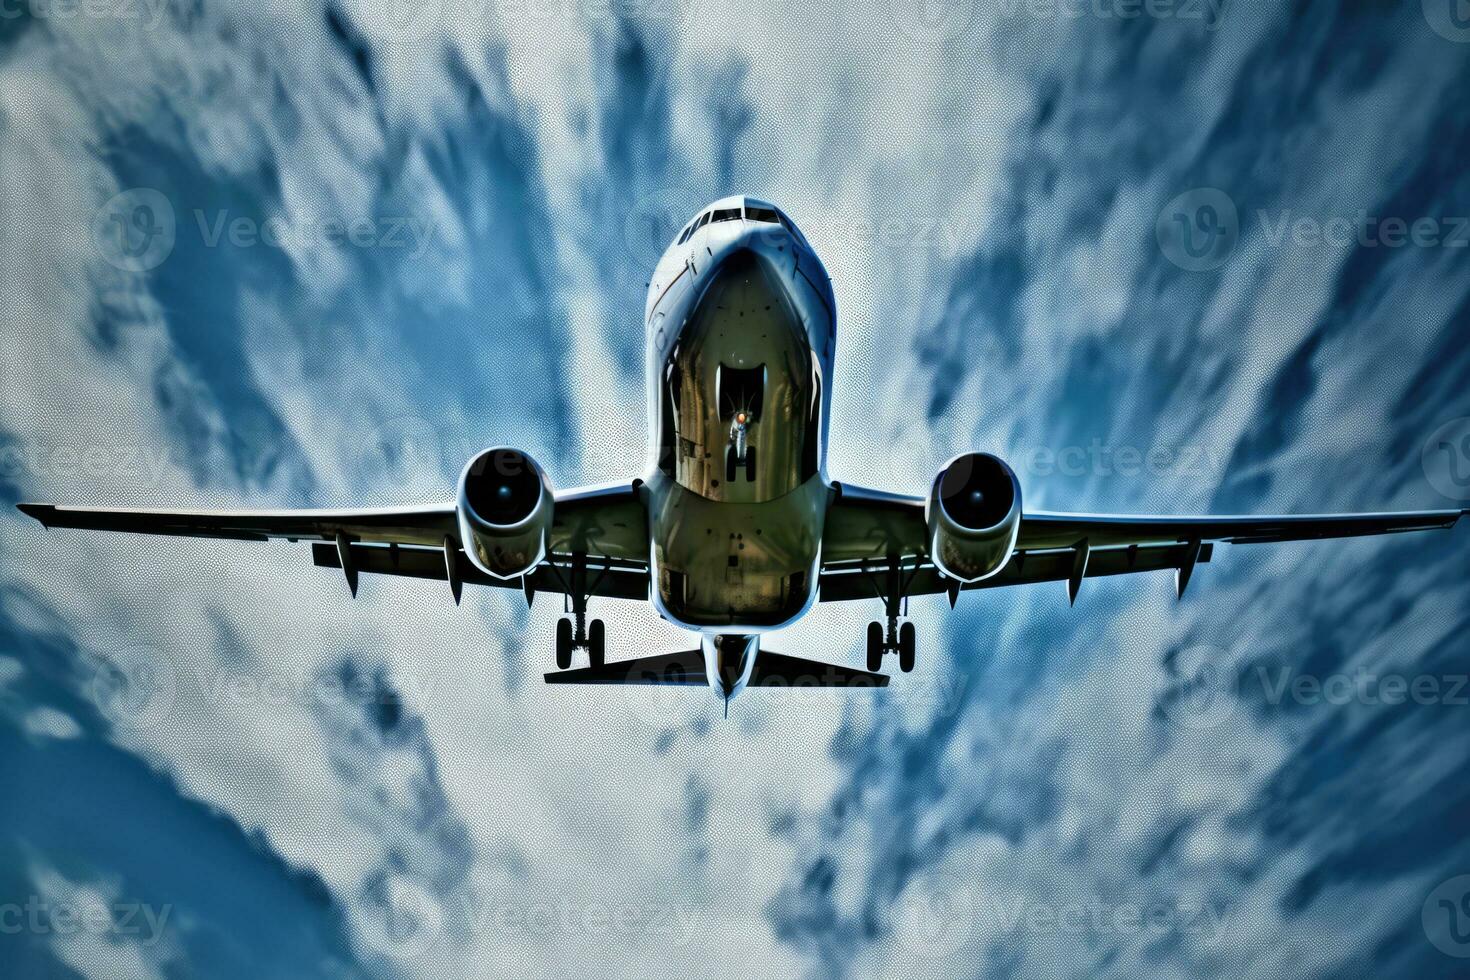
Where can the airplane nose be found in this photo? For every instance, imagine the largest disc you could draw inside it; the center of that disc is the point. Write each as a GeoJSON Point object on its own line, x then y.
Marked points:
{"type": "Point", "coordinates": [729, 661]}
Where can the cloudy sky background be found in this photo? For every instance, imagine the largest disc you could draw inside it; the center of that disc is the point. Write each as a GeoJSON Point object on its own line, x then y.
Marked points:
{"type": "Point", "coordinates": [253, 774]}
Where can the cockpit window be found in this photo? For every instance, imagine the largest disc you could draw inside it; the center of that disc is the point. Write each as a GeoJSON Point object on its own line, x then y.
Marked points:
{"type": "Point", "coordinates": [762, 214]}
{"type": "Point", "coordinates": [725, 214]}
{"type": "Point", "coordinates": [684, 236]}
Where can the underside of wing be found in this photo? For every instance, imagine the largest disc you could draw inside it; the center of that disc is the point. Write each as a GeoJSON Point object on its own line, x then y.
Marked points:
{"type": "Point", "coordinates": [596, 544]}
{"type": "Point", "coordinates": [426, 525]}
{"type": "Point", "coordinates": [1048, 530]}
{"type": "Point", "coordinates": [876, 545]}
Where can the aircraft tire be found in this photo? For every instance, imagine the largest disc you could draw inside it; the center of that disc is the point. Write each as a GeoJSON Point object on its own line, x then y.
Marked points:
{"type": "Point", "coordinates": [875, 646]}
{"type": "Point", "coordinates": [563, 643]}
{"type": "Point", "coordinates": [906, 642]}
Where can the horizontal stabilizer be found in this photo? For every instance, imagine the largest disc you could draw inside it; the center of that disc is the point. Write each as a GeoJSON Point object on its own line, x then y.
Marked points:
{"type": "Point", "coordinates": [779, 670]}
{"type": "Point", "coordinates": [684, 667]}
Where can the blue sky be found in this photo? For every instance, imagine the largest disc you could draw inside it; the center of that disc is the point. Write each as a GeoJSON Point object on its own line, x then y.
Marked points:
{"type": "Point", "coordinates": [1181, 257]}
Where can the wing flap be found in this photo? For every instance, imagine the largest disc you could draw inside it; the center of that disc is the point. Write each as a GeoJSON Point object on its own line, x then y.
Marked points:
{"type": "Point", "coordinates": [850, 581]}
{"type": "Point", "coordinates": [608, 578]}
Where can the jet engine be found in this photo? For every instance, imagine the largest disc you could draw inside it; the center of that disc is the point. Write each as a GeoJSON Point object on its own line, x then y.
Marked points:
{"type": "Point", "coordinates": [505, 506]}
{"type": "Point", "coordinates": [974, 516]}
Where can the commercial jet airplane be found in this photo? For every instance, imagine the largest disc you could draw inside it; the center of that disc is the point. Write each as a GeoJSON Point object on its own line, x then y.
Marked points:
{"type": "Point", "coordinates": [735, 529]}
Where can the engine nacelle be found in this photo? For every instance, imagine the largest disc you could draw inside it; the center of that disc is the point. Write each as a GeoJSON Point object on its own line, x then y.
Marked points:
{"type": "Point", "coordinates": [505, 506]}
{"type": "Point", "coordinates": [974, 515]}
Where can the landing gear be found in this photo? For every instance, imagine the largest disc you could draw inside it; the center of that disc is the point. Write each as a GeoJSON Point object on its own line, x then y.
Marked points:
{"type": "Point", "coordinates": [592, 637]}
{"type": "Point", "coordinates": [576, 632]}
{"type": "Point", "coordinates": [596, 642]}
{"type": "Point", "coordinates": [896, 638]}
{"type": "Point", "coordinates": [563, 643]}
{"type": "Point", "coordinates": [875, 647]}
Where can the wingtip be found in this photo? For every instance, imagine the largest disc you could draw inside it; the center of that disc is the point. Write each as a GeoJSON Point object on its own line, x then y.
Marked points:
{"type": "Point", "coordinates": [36, 511]}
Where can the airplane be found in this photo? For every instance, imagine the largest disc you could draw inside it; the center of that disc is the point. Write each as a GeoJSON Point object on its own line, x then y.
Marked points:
{"type": "Point", "coordinates": [735, 529]}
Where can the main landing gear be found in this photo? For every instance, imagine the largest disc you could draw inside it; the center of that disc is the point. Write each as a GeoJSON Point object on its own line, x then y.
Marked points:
{"type": "Point", "coordinates": [897, 638]}
{"type": "Point", "coordinates": [881, 642]}
{"type": "Point", "coordinates": [576, 632]}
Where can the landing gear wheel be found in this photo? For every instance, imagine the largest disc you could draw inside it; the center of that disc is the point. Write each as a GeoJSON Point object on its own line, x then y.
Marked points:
{"type": "Point", "coordinates": [749, 464]}
{"type": "Point", "coordinates": [563, 643]}
{"type": "Point", "coordinates": [875, 647]}
{"type": "Point", "coordinates": [596, 642]}
{"type": "Point", "coordinates": [906, 647]}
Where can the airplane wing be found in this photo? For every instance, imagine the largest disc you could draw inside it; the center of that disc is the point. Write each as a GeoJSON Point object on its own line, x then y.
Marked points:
{"type": "Point", "coordinates": [601, 531]}
{"type": "Point", "coordinates": [865, 528]}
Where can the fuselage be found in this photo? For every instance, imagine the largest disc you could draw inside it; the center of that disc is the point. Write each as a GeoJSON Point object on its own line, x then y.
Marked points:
{"type": "Point", "coordinates": [741, 330]}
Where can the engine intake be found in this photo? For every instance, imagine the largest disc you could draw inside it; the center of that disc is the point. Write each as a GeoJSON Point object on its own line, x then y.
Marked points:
{"type": "Point", "coordinates": [505, 508]}
{"type": "Point", "coordinates": [974, 516]}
